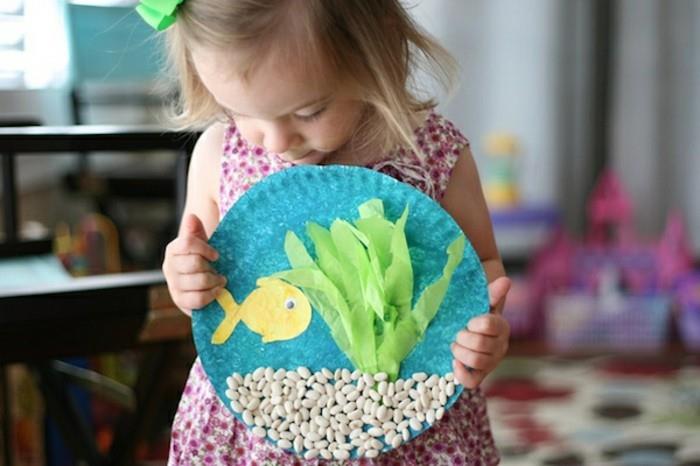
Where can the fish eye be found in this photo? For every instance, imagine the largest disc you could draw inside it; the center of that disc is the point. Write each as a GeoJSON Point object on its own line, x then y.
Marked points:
{"type": "Point", "coordinates": [290, 304]}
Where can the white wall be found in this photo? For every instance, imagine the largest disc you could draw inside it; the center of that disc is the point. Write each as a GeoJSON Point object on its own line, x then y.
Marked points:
{"type": "Point", "coordinates": [510, 53]}
{"type": "Point", "coordinates": [526, 68]}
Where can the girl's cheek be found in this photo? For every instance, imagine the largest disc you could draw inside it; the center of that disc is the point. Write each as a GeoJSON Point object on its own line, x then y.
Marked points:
{"type": "Point", "coordinates": [337, 131]}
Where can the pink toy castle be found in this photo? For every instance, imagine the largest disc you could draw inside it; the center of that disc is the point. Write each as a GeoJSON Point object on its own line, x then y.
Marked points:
{"type": "Point", "coordinates": [611, 290]}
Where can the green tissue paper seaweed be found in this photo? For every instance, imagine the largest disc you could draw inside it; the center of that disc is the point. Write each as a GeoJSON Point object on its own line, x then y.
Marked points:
{"type": "Point", "coordinates": [361, 283]}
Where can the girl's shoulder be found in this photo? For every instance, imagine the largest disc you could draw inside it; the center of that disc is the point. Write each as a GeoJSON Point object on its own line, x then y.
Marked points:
{"type": "Point", "coordinates": [439, 144]}
{"type": "Point", "coordinates": [203, 175]}
{"type": "Point", "coordinates": [206, 156]}
{"type": "Point", "coordinates": [436, 133]}
{"type": "Point", "coordinates": [213, 137]}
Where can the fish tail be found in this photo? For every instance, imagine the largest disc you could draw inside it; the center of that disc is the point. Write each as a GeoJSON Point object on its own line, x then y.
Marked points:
{"type": "Point", "coordinates": [231, 317]}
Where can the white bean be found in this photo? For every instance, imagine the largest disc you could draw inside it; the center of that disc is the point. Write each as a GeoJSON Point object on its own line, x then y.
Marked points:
{"type": "Point", "coordinates": [340, 454]}
{"type": "Point", "coordinates": [439, 413]}
{"type": "Point", "coordinates": [253, 404]}
{"type": "Point", "coordinates": [348, 408]}
{"type": "Point", "coordinates": [337, 408]}
{"type": "Point", "coordinates": [231, 383]}
{"type": "Point", "coordinates": [284, 443]}
{"type": "Point", "coordinates": [308, 443]}
{"type": "Point", "coordinates": [298, 444]}
{"type": "Point", "coordinates": [321, 444]}
{"type": "Point", "coordinates": [381, 413]}
{"type": "Point", "coordinates": [398, 415]}
{"type": "Point", "coordinates": [375, 444]}
{"type": "Point", "coordinates": [321, 421]}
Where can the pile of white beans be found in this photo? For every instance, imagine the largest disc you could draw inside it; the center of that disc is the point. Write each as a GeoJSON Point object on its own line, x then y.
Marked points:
{"type": "Point", "coordinates": [329, 414]}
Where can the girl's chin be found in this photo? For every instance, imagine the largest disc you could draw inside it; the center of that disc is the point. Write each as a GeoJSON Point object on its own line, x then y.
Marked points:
{"type": "Point", "coordinates": [312, 158]}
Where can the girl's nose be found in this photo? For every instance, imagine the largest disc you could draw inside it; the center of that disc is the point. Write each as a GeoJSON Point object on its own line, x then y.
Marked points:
{"type": "Point", "coordinates": [279, 137]}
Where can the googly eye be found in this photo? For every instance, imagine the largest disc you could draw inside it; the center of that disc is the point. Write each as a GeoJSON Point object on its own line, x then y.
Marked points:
{"type": "Point", "coordinates": [290, 304]}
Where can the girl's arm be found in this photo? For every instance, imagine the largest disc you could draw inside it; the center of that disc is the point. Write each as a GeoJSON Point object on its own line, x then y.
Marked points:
{"type": "Point", "coordinates": [464, 200]}
{"type": "Point", "coordinates": [203, 178]}
{"type": "Point", "coordinates": [191, 280]}
{"type": "Point", "coordinates": [480, 347]}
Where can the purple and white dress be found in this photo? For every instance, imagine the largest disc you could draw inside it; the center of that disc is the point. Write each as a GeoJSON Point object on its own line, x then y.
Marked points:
{"type": "Point", "coordinates": [205, 432]}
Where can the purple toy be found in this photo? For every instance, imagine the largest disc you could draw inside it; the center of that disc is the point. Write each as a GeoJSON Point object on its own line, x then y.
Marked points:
{"type": "Point", "coordinates": [613, 290]}
{"type": "Point", "coordinates": [689, 311]}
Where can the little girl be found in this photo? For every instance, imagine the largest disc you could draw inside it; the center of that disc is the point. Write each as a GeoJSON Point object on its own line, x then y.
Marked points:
{"type": "Point", "coordinates": [286, 82]}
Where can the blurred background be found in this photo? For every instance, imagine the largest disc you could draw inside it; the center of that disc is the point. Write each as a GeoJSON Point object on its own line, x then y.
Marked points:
{"type": "Point", "coordinates": [584, 119]}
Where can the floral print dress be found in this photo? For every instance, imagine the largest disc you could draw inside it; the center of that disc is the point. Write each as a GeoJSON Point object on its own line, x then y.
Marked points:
{"type": "Point", "coordinates": [204, 431]}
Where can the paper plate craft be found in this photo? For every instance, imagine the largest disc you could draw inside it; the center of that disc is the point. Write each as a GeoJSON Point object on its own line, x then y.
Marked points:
{"type": "Point", "coordinates": [345, 290]}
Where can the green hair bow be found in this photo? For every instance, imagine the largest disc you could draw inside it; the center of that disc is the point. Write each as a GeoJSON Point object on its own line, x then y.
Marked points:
{"type": "Point", "coordinates": [160, 14]}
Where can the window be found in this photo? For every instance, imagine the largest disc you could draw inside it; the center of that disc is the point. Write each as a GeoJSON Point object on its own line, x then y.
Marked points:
{"type": "Point", "coordinates": [33, 44]}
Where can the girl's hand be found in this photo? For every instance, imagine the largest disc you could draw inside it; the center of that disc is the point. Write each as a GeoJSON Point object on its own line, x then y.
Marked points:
{"type": "Point", "coordinates": [191, 280]}
{"type": "Point", "coordinates": [480, 347]}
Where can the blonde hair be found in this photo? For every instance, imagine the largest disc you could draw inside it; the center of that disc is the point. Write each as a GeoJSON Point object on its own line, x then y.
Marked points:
{"type": "Point", "coordinates": [374, 46]}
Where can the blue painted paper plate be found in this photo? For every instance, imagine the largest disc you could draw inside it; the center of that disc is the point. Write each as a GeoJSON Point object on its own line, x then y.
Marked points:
{"type": "Point", "coordinates": [250, 240]}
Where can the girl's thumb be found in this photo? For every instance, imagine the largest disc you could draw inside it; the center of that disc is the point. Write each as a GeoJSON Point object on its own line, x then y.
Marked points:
{"type": "Point", "coordinates": [192, 225]}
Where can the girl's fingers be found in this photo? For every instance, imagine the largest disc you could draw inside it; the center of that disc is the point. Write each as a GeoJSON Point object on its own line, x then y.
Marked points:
{"type": "Point", "coordinates": [469, 378]}
{"type": "Point", "coordinates": [203, 281]}
{"type": "Point", "coordinates": [196, 299]}
{"type": "Point", "coordinates": [189, 244]}
{"type": "Point", "coordinates": [498, 289]}
{"type": "Point", "coordinates": [489, 324]}
{"type": "Point", "coordinates": [190, 263]}
{"type": "Point", "coordinates": [473, 359]}
{"type": "Point", "coordinates": [478, 342]}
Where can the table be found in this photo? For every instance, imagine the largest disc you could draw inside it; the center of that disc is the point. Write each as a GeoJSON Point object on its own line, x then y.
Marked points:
{"type": "Point", "coordinates": [49, 319]}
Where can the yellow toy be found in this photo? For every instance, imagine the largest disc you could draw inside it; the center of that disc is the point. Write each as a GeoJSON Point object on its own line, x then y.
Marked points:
{"type": "Point", "coordinates": [275, 310]}
{"type": "Point", "coordinates": [500, 183]}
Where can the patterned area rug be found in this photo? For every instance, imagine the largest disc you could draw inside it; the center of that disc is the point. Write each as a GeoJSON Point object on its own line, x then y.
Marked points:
{"type": "Point", "coordinates": [598, 411]}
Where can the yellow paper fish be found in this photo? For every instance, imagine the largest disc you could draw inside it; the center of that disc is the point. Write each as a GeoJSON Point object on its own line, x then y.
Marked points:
{"type": "Point", "coordinates": [275, 310]}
